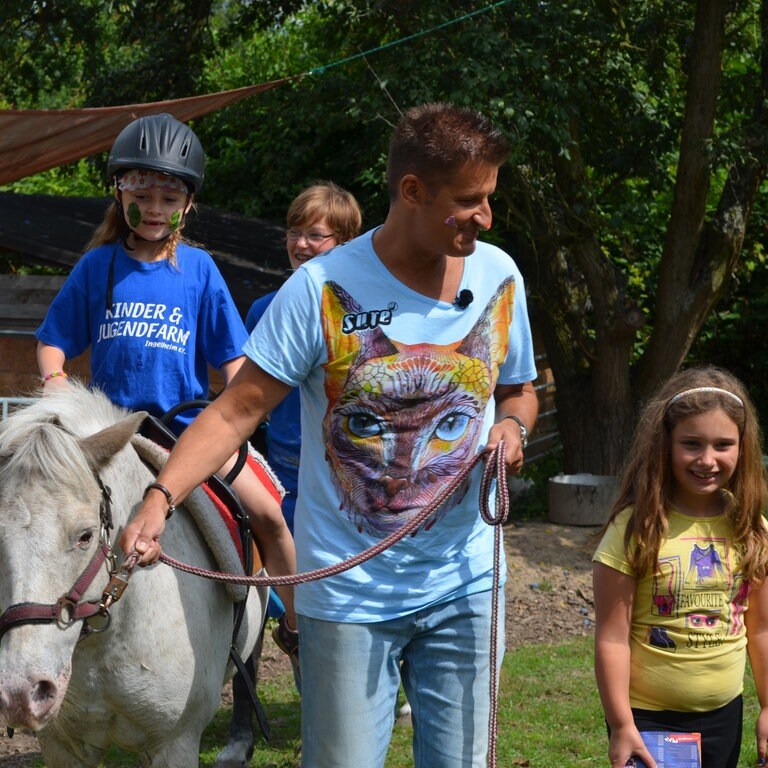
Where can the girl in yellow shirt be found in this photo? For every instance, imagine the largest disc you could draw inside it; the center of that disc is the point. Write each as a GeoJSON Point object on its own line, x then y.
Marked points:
{"type": "Point", "coordinates": [678, 574]}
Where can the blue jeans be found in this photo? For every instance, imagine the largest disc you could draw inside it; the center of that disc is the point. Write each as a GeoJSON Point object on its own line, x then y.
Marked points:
{"type": "Point", "coordinates": [351, 674]}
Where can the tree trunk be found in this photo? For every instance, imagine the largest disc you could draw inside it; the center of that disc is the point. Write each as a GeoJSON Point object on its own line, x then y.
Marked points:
{"type": "Point", "coordinates": [683, 298]}
{"type": "Point", "coordinates": [577, 295]}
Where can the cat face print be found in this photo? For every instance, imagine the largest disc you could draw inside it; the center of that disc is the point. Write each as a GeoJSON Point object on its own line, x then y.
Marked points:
{"type": "Point", "coordinates": [404, 419]}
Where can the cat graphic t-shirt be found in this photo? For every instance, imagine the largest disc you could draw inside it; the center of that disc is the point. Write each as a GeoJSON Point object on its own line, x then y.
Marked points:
{"type": "Point", "coordinates": [691, 609]}
{"type": "Point", "coordinates": [396, 398]}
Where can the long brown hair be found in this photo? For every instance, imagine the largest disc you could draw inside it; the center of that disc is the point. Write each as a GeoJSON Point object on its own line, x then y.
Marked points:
{"type": "Point", "coordinates": [647, 480]}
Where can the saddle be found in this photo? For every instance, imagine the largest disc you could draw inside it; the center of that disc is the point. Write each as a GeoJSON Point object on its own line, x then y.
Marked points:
{"type": "Point", "coordinates": [228, 534]}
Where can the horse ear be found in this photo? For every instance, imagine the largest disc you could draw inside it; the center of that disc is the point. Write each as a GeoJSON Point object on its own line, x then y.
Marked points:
{"type": "Point", "coordinates": [102, 446]}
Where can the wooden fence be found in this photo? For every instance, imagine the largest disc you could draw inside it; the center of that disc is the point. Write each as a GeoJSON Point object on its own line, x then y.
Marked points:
{"type": "Point", "coordinates": [545, 437]}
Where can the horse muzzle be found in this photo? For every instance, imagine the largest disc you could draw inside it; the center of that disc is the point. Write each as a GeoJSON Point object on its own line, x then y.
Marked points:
{"type": "Point", "coordinates": [31, 700]}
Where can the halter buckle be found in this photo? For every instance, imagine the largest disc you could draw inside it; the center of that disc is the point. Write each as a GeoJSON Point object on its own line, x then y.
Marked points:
{"type": "Point", "coordinates": [66, 611]}
{"type": "Point", "coordinates": [117, 584]}
{"type": "Point", "coordinates": [114, 590]}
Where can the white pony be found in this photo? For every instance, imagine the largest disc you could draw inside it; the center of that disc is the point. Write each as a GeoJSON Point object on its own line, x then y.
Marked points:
{"type": "Point", "coordinates": [151, 681]}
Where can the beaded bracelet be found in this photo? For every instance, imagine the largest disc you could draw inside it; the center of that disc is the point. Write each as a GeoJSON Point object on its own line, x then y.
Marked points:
{"type": "Point", "coordinates": [55, 374]}
{"type": "Point", "coordinates": [168, 495]}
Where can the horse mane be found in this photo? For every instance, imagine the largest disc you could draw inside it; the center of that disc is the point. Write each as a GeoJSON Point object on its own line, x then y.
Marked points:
{"type": "Point", "coordinates": [40, 436]}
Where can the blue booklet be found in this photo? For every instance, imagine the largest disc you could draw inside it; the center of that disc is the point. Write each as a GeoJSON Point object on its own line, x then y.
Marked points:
{"type": "Point", "coordinates": [671, 750]}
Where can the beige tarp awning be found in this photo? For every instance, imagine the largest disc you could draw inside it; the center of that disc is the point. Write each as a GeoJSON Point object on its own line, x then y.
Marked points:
{"type": "Point", "coordinates": [36, 140]}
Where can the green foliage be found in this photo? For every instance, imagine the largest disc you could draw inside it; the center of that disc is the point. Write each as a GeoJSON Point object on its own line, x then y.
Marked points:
{"type": "Point", "coordinates": [539, 69]}
{"type": "Point", "coordinates": [92, 53]}
{"type": "Point", "coordinates": [734, 334]}
{"type": "Point", "coordinates": [591, 95]}
{"type": "Point", "coordinates": [74, 180]}
{"type": "Point", "coordinates": [158, 51]}
{"type": "Point", "coordinates": [12, 263]}
{"type": "Point", "coordinates": [533, 502]}
{"type": "Point", "coordinates": [47, 48]}
{"type": "Point", "coordinates": [256, 141]}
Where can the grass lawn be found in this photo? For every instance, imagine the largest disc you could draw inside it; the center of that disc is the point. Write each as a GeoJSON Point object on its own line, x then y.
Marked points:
{"type": "Point", "coordinates": [549, 715]}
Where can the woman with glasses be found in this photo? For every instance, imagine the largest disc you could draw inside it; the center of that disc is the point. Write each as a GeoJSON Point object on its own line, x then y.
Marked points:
{"type": "Point", "coordinates": [321, 217]}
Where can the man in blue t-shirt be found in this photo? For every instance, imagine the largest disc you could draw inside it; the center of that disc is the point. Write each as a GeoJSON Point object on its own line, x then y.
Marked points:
{"type": "Point", "coordinates": [412, 349]}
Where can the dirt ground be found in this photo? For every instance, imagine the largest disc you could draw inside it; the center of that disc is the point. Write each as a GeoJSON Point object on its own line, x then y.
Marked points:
{"type": "Point", "coordinates": [549, 582]}
{"type": "Point", "coordinates": [549, 599]}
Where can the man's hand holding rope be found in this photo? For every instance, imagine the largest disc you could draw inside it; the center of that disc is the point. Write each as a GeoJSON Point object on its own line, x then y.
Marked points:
{"type": "Point", "coordinates": [516, 411]}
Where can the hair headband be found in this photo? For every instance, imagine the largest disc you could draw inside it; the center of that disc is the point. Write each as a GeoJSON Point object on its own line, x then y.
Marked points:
{"type": "Point", "coordinates": [686, 392]}
{"type": "Point", "coordinates": [138, 178]}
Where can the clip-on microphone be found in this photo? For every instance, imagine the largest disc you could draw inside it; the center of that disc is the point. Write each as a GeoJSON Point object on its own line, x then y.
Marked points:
{"type": "Point", "coordinates": [464, 299]}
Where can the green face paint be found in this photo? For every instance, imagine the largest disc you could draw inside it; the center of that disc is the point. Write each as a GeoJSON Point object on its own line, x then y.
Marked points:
{"type": "Point", "coordinates": [175, 221]}
{"type": "Point", "coordinates": [134, 215]}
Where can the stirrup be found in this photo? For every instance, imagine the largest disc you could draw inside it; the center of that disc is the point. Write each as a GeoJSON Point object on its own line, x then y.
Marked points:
{"type": "Point", "coordinates": [286, 639]}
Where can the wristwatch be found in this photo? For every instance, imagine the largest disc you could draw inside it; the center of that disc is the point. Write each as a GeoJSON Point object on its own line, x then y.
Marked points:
{"type": "Point", "coordinates": [523, 430]}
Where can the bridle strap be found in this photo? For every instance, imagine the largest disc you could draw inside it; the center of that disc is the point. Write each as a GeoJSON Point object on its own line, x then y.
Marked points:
{"type": "Point", "coordinates": [68, 608]}
{"type": "Point", "coordinates": [43, 613]}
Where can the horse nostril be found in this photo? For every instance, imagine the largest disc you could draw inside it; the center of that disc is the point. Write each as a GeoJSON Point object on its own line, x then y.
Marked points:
{"type": "Point", "coordinates": [43, 690]}
{"type": "Point", "coordinates": [29, 702]}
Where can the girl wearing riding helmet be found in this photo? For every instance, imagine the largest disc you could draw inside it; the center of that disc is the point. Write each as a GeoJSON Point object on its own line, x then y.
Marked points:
{"type": "Point", "coordinates": [154, 309]}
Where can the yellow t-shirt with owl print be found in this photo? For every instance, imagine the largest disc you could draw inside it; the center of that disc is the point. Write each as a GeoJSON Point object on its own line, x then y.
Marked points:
{"type": "Point", "coordinates": [688, 639]}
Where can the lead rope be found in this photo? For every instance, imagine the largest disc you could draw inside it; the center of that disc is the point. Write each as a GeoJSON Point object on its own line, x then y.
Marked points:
{"type": "Point", "coordinates": [494, 470]}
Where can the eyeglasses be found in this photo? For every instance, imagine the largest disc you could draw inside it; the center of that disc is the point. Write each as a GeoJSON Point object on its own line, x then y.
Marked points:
{"type": "Point", "coordinates": [313, 238]}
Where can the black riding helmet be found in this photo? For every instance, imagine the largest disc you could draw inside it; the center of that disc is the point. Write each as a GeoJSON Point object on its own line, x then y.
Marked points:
{"type": "Point", "coordinates": [159, 143]}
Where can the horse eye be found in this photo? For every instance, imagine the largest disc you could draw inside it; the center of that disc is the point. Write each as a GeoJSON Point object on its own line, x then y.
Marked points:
{"type": "Point", "coordinates": [86, 537]}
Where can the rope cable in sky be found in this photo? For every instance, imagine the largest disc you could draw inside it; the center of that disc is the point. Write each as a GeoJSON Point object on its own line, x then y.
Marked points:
{"type": "Point", "coordinates": [414, 36]}
{"type": "Point", "coordinates": [32, 140]}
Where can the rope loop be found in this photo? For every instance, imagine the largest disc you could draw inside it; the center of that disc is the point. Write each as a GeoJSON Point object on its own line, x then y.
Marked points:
{"type": "Point", "coordinates": [495, 469]}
